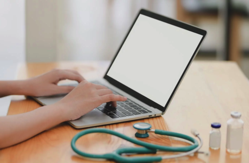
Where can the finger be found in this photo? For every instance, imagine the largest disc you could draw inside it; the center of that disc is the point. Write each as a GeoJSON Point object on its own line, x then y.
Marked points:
{"type": "Point", "coordinates": [62, 89]}
{"type": "Point", "coordinates": [100, 86]}
{"type": "Point", "coordinates": [113, 103]}
{"type": "Point", "coordinates": [73, 71]}
{"type": "Point", "coordinates": [106, 91]}
{"type": "Point", "coordinates": [112, 97]}
{"type": "Point", "coordinates": [69, 75]}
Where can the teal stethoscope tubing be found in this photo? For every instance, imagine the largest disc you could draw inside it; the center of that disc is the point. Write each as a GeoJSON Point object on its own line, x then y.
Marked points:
{"type": "Point", "coordinates": [147, 147]}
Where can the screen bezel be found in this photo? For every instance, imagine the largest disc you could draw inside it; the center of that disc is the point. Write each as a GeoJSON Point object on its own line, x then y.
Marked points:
{"type": "Point", "coordinates": [133, 92]}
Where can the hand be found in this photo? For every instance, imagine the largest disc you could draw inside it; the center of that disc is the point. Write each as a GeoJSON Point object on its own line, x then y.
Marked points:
{"type": "Point", "coordinates": [46, 84]}
{"type": "Point", "coordinates": [84, 98]}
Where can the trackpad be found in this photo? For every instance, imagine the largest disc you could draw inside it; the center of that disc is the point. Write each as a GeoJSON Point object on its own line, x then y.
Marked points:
{"type": "Point", "coordinates": [93, 117]}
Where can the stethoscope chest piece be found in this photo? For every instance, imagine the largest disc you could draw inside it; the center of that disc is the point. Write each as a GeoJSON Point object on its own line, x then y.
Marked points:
{"type": "Point", "coordinates": [142, 129]}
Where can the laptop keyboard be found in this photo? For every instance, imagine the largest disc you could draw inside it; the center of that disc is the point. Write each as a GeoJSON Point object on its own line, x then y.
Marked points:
{"type": "Point", "coordinates": [123, 109]}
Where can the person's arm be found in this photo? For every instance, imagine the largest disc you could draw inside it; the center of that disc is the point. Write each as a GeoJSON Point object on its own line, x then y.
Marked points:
{"type": "Point", "coordinates": [81, 100]}
{"type": "Point", "coordinates": [43, 85]}
{"type": "Point", "coordinates": [14, 87]}
{"type": "Point", "coordinates": [17, 128]}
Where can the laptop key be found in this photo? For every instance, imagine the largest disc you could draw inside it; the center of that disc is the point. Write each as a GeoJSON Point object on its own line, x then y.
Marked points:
{"type": "Point", "coordinates": [105, 111]}
{"type": "Point", "coordinates": [121, 109]}
{"type": "Point", "coordinates": [132, 105]}
{"type": "Point", "coordinates": [130, 109]}
{"type": "Point", "coordinates": [108, 109]}
{"type": "Point", "coordinates": [126, 107]}
{"type": "Point", "coordinates": [135, 113]}
{"type": "Point", "coordinates": [114, 111]}
{"type": "Point", "coordinates": [127, 113]}
{"type": "Point", "coordinates": [120, 114]}
{"type": "Point", "coordinates": [113, 115]}
{"type": "Point", "coordinates": [122, 104]}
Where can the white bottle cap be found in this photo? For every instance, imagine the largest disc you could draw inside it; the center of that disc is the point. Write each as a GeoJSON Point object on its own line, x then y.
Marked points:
{"type": "Point", "coordinates": [235, 114]}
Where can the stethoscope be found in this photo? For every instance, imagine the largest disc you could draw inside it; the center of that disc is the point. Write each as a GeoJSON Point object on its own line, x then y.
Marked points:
{"type": "Point", "coordinates": [142, 132]}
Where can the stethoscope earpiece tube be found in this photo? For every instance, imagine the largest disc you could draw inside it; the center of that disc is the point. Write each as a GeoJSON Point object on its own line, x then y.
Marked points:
{"type": "Point", "coordinates": [178, 135]}
{"type": "Point", "coordinates": [147, 147]}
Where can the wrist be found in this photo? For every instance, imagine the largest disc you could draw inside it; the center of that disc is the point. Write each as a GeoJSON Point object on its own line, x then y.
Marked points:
{"type": "Point", "coordinates": [25, 87]}
{"type": "Point", "coordinates": [61, 109]}
{"type": "Point", "coordinates": [21, 87]}
{"type": "Point", "coordinates": [15, 87]}
{"type": "Point", "coordinates": [51, 114]}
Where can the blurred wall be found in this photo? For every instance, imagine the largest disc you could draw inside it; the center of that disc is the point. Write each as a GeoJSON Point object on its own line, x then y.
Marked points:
{"type": "Point", "coordinates": [78, 29]}
{"type": "Point", "coordinates": [41, 30]}
{"type": "Point", "coordinates": [95, 29]}
{"type": "Point", "coordinates": [82, 29]}
{"type": "Point", "coordinates": [12, 30]}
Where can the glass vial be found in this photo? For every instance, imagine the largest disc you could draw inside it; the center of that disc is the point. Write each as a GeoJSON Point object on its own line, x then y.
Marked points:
{"type": "Point", "coordinates": [215, 136]}
{"type": "Point", "coordinates": [234, 133]}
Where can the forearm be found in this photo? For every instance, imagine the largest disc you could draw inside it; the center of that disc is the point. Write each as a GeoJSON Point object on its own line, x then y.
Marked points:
{"type": "Point", "coordinates": [15, 87]}
{"type": "Point", "coordinates": [17, 128]}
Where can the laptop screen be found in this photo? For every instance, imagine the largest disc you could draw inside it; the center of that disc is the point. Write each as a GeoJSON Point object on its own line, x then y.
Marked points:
{"type": "Point", "coordinates": [153, 58]}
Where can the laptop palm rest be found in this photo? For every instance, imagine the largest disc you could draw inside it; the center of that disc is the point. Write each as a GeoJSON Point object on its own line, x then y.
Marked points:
{"type": "Point", "coordinates": [92, 118]}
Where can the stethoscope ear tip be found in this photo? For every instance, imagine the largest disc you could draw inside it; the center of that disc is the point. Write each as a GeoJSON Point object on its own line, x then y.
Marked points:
{"type": "Point", "coordinates": [203, 152]}
{"type": "Point", "coordinates": [194, 132]}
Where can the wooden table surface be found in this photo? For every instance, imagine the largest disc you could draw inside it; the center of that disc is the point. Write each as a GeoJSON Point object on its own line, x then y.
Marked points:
{"type": "Point", "coordinates": [208, 93]}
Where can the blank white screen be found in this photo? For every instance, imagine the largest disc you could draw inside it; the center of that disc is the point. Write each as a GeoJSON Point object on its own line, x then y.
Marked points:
{"type": "Point", "coordinates": [153, 58]}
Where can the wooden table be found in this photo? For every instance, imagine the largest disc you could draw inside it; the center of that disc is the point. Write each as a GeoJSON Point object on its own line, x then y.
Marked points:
{"type": "Point", "coordinates": [208, 93]}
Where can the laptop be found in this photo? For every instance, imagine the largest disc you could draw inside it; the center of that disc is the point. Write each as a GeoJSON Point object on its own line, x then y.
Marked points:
{"type": "Point", "coordinates": [147, 69]}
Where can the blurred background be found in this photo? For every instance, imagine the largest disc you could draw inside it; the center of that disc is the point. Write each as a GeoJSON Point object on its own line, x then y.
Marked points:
{"type": "Point", "coordinates": [80, 30]}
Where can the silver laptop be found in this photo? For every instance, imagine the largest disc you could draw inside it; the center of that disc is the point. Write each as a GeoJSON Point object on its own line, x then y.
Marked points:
{"type": "Point", "coordinates": [147, 69]}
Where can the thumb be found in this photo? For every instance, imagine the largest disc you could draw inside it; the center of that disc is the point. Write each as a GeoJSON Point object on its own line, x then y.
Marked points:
{"type": "Point", "coordinates": [63, 89]}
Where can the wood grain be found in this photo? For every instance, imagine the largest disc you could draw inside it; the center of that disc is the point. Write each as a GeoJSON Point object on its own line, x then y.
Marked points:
{"type": "Point", "coordinates": [208, 93]}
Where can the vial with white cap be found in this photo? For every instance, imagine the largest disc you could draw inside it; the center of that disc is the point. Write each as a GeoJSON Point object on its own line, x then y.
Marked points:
{"type": "Point", "coordinates": [215, 136]}
{"type": "Point", "coordinates": [234, 133]}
